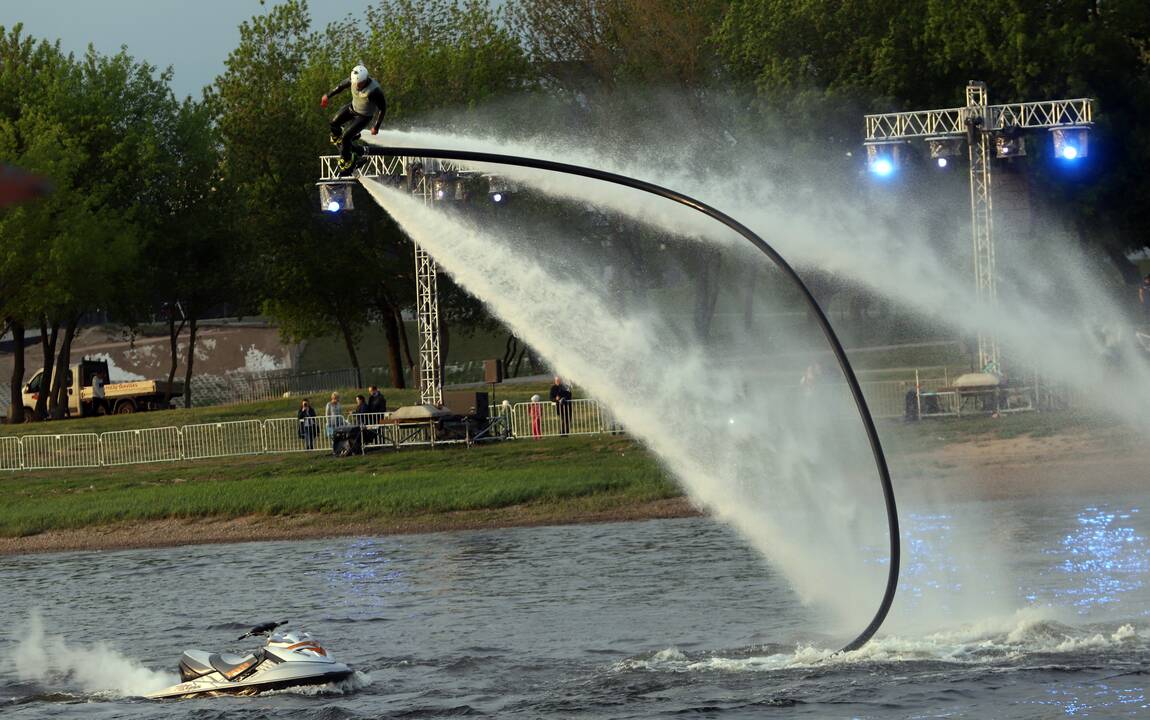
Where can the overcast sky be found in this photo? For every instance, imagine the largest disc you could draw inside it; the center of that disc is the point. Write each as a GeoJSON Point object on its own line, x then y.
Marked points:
{"type": "Point", "coordinates": [193, 36]}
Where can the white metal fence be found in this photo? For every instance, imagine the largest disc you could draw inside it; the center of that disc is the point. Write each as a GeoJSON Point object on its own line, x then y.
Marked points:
{"type": "Point", "coordinates": [544, 419]}
{"type": "Point", "coordinates": [886, 399]}
{"type": "Point", "coordinates": [132, 447]}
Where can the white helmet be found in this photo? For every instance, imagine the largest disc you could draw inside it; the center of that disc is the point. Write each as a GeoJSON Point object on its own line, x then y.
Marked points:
{"type": "Point", "coordinates": [358, 75]}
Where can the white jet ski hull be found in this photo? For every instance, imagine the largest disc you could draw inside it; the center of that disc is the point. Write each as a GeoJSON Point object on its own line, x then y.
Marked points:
{"type": "Point", "coordinates": [277, 677]}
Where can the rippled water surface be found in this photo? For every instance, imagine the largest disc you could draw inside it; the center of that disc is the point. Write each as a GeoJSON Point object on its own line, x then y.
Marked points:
{"type": "Point", "coordinates": [628, 620]}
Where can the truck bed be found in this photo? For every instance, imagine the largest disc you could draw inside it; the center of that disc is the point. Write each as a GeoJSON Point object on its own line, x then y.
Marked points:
{"type": "Point", "coordinates": [136, 388]}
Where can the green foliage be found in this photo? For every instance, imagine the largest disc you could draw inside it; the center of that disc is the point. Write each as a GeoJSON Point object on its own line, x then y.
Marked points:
{"type": "Point", "coordinates": [818, 65]}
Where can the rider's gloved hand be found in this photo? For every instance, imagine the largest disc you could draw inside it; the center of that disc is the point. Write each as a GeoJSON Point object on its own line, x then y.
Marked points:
{"type": "Point", "coordinates": [323, 101]}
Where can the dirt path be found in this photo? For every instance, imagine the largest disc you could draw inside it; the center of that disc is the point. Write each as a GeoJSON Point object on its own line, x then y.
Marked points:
{"type": "Point", "coordinates": [167, 533]}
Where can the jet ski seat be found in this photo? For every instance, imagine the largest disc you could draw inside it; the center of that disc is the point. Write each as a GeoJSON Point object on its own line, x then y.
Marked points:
{"type": "Point", "coordinates": [232, 666]}
{"type": "Point", "coordinates": [193, 664]}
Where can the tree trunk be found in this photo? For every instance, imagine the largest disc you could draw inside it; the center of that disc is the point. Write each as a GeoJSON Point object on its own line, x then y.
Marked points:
{"type": "Point", "coordinates": [749, 306]}
{"type": "Point", "coordinates": [349, 343]}
{"type": "Point", "coordinates": [48, 351]}
{"type": "Point", "coordinates": [174, 346]}
{"type": "Point", "coordinates": [16, 412]}
{"type": "Point", "coordinates": [509, 350]}
{"type": "Point", "coordinates": [403, 339]}
{"type": "Point", "coordinates": [60, 384]}
{"type": "Point", "coordinates": [394, 351]}
{"type": "Point", "coordinates": [192, 328]}
{"type": "Point", "coordinates": [387, 318]}
{"type": "Point", "coordinates": [707, 293]}
{"type": "Point", "coordinates": [444, 347]}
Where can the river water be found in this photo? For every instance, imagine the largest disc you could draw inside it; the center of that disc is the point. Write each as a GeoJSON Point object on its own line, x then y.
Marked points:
{"type": "Point", "coordinates": [664, 618]}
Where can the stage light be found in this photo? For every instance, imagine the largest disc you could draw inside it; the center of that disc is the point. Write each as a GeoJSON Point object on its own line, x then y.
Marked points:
{"type": "Point", "coordinates": [1071, 142]}
{"type": "Point", "coordinates": [499, 189]}
{"type": "Point", "coordinates": [1009, 143]}
{"type": "Point", "coordinates": [335, 195]}
{"type": "Point", "coordinates": [944, 147]}
{"type": "Point", "coordinates": [883, 157]}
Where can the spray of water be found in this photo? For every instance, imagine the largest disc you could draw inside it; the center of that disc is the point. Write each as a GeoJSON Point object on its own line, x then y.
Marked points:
{"type": "Point", "coordinates": [789, 470]}
{"type": "Point", "coordinates": [92, 669]}
{"type": "Point", "coordinates": [892, 257]}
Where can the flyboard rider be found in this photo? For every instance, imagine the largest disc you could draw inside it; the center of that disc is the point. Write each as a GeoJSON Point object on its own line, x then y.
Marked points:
{"type": "Point", "coordinates": [367, 101]}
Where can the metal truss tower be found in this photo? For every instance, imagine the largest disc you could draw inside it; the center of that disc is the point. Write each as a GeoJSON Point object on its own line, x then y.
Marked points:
{"type": "Point", "coordinates": [980, 123]}
{"type": "Point", "coordinates": [426, 274]}
{"type": "Point", "coordinates": [982, 218]}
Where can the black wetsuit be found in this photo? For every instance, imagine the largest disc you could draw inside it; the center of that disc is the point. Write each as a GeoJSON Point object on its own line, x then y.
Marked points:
{"type": "Point", "coordinates": [364, 104]}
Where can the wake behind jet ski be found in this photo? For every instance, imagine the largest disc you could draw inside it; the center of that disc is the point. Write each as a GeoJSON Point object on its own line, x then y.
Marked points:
{"type": "Point", "coordinates": [288, 659]}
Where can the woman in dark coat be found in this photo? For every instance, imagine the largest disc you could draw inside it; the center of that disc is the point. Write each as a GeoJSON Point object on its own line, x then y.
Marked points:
{"type": "Point", "coordinates": [308, 427]}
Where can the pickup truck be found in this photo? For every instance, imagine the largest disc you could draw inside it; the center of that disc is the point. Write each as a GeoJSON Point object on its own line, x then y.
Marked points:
{"type": "Point", "coordinates": [120, 398]}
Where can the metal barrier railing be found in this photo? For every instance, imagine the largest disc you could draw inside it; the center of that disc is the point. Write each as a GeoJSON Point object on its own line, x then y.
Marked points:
{"type": "Point", "coordinates": [51, 452]}
{"type": "Point", "coordinates": [888, 399]}
{"type": "Point", "coordinates": [223, 439]}
{"type": "Point", "coordinates": [545, 419]}
{"type": "Point", "coordinates": [10, 453]}
{"type": "Point", "coordinates": [134, 447]}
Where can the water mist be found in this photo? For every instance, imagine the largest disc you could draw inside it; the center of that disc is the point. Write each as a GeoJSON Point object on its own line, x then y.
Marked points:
{"type": "Point", "coordinates": [791, 471]}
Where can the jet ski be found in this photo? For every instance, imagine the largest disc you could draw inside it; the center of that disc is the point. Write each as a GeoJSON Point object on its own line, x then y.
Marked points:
{"type": "Point", "coordinates": [288, 659]}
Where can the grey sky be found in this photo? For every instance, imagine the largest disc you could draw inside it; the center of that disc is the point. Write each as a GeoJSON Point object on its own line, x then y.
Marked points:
{"type": "Point", "coordinates": [193, 36]}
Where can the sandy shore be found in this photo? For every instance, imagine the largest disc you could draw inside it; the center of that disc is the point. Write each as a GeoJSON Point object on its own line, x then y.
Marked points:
{"type": "Point", "coordinates": [988, 469]}
{"type": "Point", "coordinates": [167, 533]}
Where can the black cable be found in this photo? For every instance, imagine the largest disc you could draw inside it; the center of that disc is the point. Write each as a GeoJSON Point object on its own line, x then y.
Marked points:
{"type": "Point", "coordinates": [824, 323]}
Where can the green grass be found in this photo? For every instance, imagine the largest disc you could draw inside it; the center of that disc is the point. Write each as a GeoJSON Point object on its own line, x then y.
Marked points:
{"type": "Point", "coordinates": [613, 470]}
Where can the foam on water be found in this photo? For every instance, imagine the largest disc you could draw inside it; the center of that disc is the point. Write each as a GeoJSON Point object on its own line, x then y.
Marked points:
{"type": "Point", "coordinates": [1007, 640]}
{"type": "Point", "coordinates": [94, 669]}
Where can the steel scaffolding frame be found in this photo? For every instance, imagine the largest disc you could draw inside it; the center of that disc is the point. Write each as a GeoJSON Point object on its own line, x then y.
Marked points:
{"type": "Point", "coordinates": [978, 121]}
{"type": "Point", "coordinates": [419, 173]}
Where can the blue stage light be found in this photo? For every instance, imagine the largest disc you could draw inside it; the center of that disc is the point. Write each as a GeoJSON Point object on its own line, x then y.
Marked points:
{"type": "Point", "coordinates": [942, 162]}
{"type": "Point", "coordinates": [497, 197]}
{"type": "Point", "coordinates": [1069, 152]}
{"type": "Point", "coordinates": [333, 206]}
{"type": "Point", "coordinates": [882, 167]}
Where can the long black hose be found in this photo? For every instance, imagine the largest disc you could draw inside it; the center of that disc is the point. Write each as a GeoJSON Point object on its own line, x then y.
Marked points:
{"type": "Point", "coordinates": [828, 332]}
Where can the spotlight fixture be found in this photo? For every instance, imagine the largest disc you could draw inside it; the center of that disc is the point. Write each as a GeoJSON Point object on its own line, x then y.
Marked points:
{"type": "Point", "coordinates": [335, 196]}
{"type": "Point", "coordinates": [944, 147]}
{"type": "Point", "coordinates": [1010, 142]}
{"type": "Point", "coordinates": [1071, 141]}
{"type": "Point", "coordinates": [498, 189]}
{"type": "Point", "coordinates": [883, 157]}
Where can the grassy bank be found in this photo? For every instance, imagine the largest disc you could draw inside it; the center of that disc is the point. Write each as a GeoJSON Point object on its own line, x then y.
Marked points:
{"type": "Point", "coordinates": [557, 475]}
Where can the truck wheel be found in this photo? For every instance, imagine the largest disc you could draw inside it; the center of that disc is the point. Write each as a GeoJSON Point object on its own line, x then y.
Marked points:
{"type": "Point", "coordinates": [29, 415]}
{"type": "Point", "coordinates": [126, 408]}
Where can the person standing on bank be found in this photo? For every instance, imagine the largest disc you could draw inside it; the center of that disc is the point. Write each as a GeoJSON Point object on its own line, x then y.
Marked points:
{"type": "Point", "coordinates": [332, 414]}
{"type": "Point", "coordinates": [376, 402]}
{"type": "Point", "coordinates": [307, 424]}
{"type": "Point", "coordinates": [367, 102]}
{"type": "Point", "coordinates": [99, 401]}
{"type": "Point", "coordinates": [561, 395]}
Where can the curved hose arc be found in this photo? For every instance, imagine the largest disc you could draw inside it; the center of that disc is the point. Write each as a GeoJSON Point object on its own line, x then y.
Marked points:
{"type": "Point", "coordinates": [783, 265]}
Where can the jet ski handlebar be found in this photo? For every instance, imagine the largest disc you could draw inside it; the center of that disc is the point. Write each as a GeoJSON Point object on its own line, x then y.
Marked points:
{"type": "Point", "coordinates": [264, 629]}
